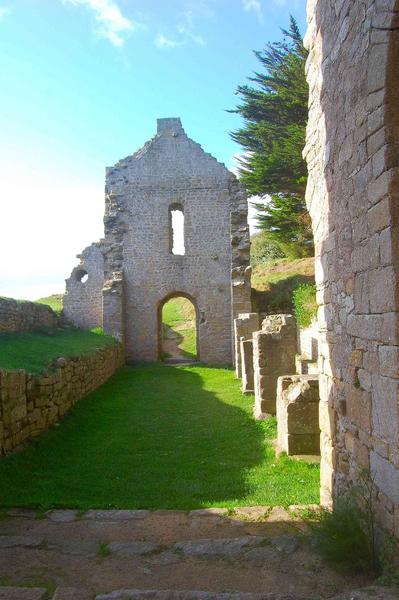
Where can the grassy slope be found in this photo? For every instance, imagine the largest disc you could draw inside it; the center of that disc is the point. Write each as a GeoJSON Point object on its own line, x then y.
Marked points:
{"type": "Point", "coordinates": [34, 351]}
{"type": "Point", "coordinates": [158, 436]}
{"type": "Point", "coordinates": [54, 301]}
{"type": "Point", "coordinates": [179, 315]}
{"type": "Point", "coordinates": [273, 284]}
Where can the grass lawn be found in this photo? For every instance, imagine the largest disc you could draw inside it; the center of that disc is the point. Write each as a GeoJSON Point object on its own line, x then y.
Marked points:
{"type": "Point", "coordinates": [158, 436]}
{"type": "Point", "coordinates": [34, 351]}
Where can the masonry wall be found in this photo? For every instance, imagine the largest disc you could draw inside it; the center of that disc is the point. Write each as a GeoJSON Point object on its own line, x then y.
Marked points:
{"type": "Point", "coordinates": [353, 192]}
{"type": "Point", "coordinates": [20, 315]}
{"type": "Point", "coordinates": [29, 405]}
{"type": "Point", "coordinates": [171, 170]}
{"type": "Point", "coordinates": [83, 303]}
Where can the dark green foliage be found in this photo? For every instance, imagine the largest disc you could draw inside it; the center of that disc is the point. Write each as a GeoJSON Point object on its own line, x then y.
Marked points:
{"type": "Point", "coordinates": [275, 111]}
{"type": "Point", "coordinates": [305, 305]}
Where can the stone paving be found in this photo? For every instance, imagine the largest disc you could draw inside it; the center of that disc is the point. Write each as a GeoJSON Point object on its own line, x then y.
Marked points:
{"type": "Point", "coordinates": [253, 553]}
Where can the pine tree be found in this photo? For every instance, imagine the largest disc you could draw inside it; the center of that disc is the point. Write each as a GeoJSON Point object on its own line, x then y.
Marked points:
{"type": "Point", "coordinates": [275, 111]}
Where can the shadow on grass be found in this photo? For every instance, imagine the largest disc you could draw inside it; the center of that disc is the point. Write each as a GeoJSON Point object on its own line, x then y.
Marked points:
{"type": "Point", "coordinates": [173, 342]}
{"type": "Point", "coordinates": [278, 298]}
{"type": "Point", "coordinates": [154, 436]}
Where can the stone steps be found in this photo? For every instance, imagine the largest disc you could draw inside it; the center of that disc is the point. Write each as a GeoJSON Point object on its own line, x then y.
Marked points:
{"type": "Point", "coordinates": [20, 593]}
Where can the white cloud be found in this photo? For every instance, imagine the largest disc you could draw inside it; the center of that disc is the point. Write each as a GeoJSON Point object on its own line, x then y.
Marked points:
{"type": "Point", "coordinates": [113, 25]}
{"type": "Point", "coordinates": [163, 42]}
{"type": "Point", "coordinates": [185, 28]}
{"type": "Point", "coordinates": [254, 6]}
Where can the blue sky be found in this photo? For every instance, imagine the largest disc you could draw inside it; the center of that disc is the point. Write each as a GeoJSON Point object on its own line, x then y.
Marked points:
{"type": "Point", "coordinates": [83, 82]}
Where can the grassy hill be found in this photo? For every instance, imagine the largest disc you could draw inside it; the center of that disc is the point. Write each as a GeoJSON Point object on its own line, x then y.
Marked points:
{"type": "Point", "coordinates": [54, 301]}
{"type": "Point", "coordinates": [273, 284]}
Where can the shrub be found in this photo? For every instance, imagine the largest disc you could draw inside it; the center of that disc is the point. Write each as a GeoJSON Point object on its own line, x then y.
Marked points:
{"type": "Point", "coordinates": [264, 249]}
{"type": "Point", "coordinates": [304, 302]}
{"type": "Point", "coordinates": [341, 539]}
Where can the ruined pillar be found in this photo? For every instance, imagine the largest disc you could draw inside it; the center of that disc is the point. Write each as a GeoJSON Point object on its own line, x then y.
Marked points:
{"type": "Point", "coordinates": [244, 326]}
{"type": "Point", "coordinates": [113, 306]}
{"type": "Point", "coordinates": [274, 349]}
{"type": "Point", "coordinates": [298, 429]}
{"type": "Point", "coordinates": [247, 365]}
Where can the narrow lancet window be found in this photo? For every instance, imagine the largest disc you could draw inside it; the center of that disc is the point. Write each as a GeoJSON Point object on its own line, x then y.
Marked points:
{"type": "Point", "coordinates": [176, 230]}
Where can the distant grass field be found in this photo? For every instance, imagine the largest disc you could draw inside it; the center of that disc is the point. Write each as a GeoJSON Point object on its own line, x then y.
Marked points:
{"type": "Point", "coordinates": [158, 436]}
{"type": "Point", "coordinates": [179, 316]}
{"type": "Point", "coordinates": [54, 301]}
{"type": "Point", "coordinates": [34, 351]}
{"type": "Point", "coordinates": [273, 284]}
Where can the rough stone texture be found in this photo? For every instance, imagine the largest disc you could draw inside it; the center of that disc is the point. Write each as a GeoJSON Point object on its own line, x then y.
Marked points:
{"type": "Point", "coordinates": [14, 593]}
{"type": "Point", "coordinates": [298, 429]}
{"type": "Point", "coordinates": [30, 405]}
{"type": "Point", "coordinates": [244, 326]}
{"type": "Point", "coordinates": [21, 315]}
{"type": "Point", "coordinates": [352, 195]}
{"type": "Point", "coordinates": [140, 271]}
{"type": "Point", "coordinates": [247, 365]}
{"type": "Point", "coordinates": [274, 349]}
{"type": "Point", "coordinates": [83, 301]}
{"type": "Point", "coordinates": [308, 341]}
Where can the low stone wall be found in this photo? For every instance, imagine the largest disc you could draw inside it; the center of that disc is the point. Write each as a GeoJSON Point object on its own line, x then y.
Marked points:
{"type": "Point", "coordinates": [29, 405]}
{"type": "Point", "coordinates": [18, 315]}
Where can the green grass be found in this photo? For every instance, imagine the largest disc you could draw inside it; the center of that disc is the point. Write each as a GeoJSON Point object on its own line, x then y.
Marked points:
{"type": "Point", "coordinates": [34, 351]}
{"type": "Point", "coordinates": [158, 436]}
{"type": "Point", "coordinates": [273, 285]}
{"type": "Point", "coordinates": [178, 314]}
{"type": "Point", "coordinates": [54, 301]}
{"type": "Point", "coordinates": [305, 305]}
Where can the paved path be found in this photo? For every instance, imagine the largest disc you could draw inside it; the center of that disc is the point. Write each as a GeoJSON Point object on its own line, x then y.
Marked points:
{"type": "Point", "coordinates": [255, 554]}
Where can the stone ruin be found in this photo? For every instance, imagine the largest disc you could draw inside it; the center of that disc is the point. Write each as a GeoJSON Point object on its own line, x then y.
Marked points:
{"type": "Point", "coordinates": [352, 152]}
{"type": "Point", "coordinates": [272, 361]}
{"type": "Point", "coordinates": [352, 196]}
{"type": "Point", "coordinates": [122, 281]}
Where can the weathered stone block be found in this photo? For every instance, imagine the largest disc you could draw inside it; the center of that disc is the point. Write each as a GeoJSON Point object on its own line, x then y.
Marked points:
{"type": "Point", "coordinates": [274, 350]}
{"type": "Point", "coordinates": [244, 326]}
{"type": "Point", "coordinates": [298, 429]}
{"type": "Point", "coordinates": [247, 365]}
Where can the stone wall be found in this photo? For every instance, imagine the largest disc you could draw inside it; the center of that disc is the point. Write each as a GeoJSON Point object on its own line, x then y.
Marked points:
{"type": "Point", "coordinates": [172, 170]}
{"type": "Point", "coordinates": [83, 303]}
{"type": "Point", "coordinates": [29, 405]}
{"type": "Point", "coordinates": [20, 315]}
{"type": "Point", "coordinates": [352, 195]}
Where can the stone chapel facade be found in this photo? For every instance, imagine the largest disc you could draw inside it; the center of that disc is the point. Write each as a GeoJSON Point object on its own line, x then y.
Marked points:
{"type": "Point", "coordinates": [123, 280]}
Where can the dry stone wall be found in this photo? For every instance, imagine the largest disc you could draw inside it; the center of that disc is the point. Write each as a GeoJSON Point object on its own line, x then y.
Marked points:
{"type": "Point", "coordinates": [20, 315]}
{"type": "Point", "coordinates": [29, 405]}
{"type": "Point", "coordinates": [352, 195]}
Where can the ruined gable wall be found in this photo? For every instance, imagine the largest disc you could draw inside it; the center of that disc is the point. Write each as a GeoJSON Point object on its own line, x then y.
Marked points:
{"type": "Point", "coordinates": [172, 169]}
{"type": "Point", "coordinates": [352, 195]}
{"type": "Point", "coordinates": [82, 303]}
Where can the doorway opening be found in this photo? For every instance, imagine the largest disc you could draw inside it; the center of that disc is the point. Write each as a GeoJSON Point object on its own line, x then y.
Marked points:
{"type": "Point", "coordinates": [178, 329]}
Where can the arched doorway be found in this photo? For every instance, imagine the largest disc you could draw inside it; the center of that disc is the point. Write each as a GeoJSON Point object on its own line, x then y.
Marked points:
{"type": "Point", "coordinates": [178, 329]}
